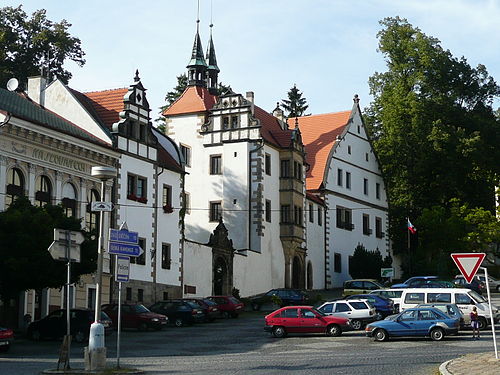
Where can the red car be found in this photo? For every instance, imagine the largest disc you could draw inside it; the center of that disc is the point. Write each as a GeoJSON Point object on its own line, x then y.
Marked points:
{"type": "Point", "coordinates": [6, 338]}
{"type": "Point", "coordinates": [304, 319]}
{"type": "Point", "coordinates": [228, 305]}
{"type": "Point", "coordinates": [135, 316]}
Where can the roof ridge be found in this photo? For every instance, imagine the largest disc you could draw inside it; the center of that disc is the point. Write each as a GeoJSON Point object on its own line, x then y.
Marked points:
{"type": "Point", "coordinates": [323, 114]}
{"type": "Point", "coordinates": [91, 92]}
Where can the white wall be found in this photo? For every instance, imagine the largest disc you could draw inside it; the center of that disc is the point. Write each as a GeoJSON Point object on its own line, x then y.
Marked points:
{"type": "Point", "coordinates": [315, 246]}
{"type": "Point", "coordinates": [198, 268]}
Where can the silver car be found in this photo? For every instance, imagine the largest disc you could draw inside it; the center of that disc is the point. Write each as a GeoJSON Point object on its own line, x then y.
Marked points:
{"type": "Point", "coordinates": [358, 311]}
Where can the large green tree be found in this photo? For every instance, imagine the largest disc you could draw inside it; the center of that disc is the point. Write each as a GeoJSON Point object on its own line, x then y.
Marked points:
{"type": "Point", "coordinates": [29, 44]}
{"type": "Point", "coordinates": [295, 105]}
{"type": "Point", "coordinates": [26, 232]}
{"type": "Point", "coordinates": [434, 129]}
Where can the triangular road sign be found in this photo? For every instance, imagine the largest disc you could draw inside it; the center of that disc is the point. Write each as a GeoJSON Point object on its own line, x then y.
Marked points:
{"type": "Point", "coordinates": [468, 263]}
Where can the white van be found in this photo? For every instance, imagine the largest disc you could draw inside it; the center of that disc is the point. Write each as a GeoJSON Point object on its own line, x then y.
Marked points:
{"type": "Point", "coordinates": [465, 299]}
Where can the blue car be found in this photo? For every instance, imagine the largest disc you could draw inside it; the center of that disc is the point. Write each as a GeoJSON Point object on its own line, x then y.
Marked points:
{"type": "Point", "coordinates": [419, 321]}
{"type": "Point", "coordinates": [383, 306]}
{"type": "Point", "coordinates": [412, 282]}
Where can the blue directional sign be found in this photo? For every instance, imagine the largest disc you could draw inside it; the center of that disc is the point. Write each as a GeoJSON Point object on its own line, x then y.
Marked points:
{"type": "Point", "coordinates": [125, 249]}
{"type": "Point", "coordinates": [123, 236]}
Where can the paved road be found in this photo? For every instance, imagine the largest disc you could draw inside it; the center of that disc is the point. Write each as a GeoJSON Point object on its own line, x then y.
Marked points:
{"type": "Point", "coordinates": [240, 346]}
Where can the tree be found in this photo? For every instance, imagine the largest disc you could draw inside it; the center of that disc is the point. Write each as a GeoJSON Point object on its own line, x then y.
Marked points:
{"type": "Point", "coordinates": [295, 105]}
{"type": "Point", "coordinates": [26, 232]}
{"type": "Point", "coordinates": [367, 264]}
{"type": "Point", "coordinates": [434, 130]}
{"type": "Point", "coordinates": [30, 44]}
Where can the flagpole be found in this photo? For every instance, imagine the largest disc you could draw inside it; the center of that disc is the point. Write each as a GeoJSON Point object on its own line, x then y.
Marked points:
{"type": "Point", "coordinates": [409, 252]}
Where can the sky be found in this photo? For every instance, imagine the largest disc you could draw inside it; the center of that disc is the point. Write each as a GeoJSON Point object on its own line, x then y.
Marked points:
{"type": "Point", "coordinates": [328, 48]}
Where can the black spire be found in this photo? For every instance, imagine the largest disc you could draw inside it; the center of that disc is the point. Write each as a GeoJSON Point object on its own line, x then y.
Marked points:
{"type": "Point", "coordinates": [213, 70]}
{"type": "Point", "coordinates": [197, 67]}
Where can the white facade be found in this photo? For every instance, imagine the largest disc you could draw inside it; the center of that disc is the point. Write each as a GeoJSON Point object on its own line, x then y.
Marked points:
{"type": "Point", "coordinates": [316, 256]}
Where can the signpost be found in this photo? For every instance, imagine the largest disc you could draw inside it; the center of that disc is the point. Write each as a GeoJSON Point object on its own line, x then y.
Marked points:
{"type": "Point", "coordinates": [66, 247]}
{"type": "Point", "coordinates": [468, 264]}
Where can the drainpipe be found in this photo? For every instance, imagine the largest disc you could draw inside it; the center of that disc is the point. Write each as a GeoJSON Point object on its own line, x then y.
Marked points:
{"type": "Point", "coordinates": [258, 148]}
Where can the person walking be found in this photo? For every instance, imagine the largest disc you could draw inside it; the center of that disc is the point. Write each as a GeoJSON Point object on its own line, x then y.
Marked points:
{"type": "Point", "coordinates": [474, 323]}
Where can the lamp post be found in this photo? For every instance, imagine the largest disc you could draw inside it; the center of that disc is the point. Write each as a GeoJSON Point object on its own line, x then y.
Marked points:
{"type": "Point", "coordinates": [96, 349]}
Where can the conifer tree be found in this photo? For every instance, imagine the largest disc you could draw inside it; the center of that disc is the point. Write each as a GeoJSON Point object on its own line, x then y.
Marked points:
{"type": "Point", "coordinates": [295, 105]}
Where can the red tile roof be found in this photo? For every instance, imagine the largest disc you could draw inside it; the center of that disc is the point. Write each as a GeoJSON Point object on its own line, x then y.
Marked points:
{"type": "Point", "coordinates": [107, 104]}
{"type": "Point", "coordinates": [271, 129]}
{"type": "Point", "coordinates": [315, 198]}
{"type": "Point", "coordinates": [319, 133]}
{"type": "Point", "coordinates": [193, 99]}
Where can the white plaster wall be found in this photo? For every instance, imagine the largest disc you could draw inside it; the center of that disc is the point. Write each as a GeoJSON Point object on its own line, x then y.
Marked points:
{"type": "Point", "coordinates": [315, 246]}
{"type": "Point", "coordinates": [198, 268]}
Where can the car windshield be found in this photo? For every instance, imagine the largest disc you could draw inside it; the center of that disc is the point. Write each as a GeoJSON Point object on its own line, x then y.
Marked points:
{"type": "Point", "coordinates": [139, 309]}
{"type": "Point", "coordinates": [234, 300]}
{"type": "Point", "coordinates": [476, 296]}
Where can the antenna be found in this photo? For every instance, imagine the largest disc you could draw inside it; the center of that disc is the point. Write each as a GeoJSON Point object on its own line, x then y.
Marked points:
{"type": "Point", "coordinates": [12, 84]}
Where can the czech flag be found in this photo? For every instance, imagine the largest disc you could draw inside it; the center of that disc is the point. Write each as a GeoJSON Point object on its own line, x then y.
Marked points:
{"type": "Point", "coordinates": [411, 227]}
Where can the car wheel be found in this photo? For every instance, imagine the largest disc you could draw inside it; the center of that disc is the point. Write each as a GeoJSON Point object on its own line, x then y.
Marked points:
{"type": "Point", "coordinates": [79, 336]}
{"type": "Point", "coordinates": [380, 335]}
{"type": "Point", "coordinates": [333, 330]}
{"type": "Point", "coordinates": [379, 316]}
{"type": "Point", "coordinates": [179, 322]}
{"type": "Point", "coordinates": [142, 327]}
{"type": "Point", "coordinates": [356, 324]}
{"type": "Point", "coordinates": [437, 334]}
{"type": "Point", "coordinates": [279, 332]}
{"type": "Point", "coordinates": [483, 323]}
{"type": "Point", "coordinates": [255, 307]}
{"type": "Point", "coordinates": [4, 348]}
{"type": "Point", "coordinates": [35, 335]}
{"type": "Point", "coordinates": [226, 315]}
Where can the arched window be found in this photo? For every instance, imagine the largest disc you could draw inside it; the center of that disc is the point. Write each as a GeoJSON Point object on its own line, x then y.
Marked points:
{"type": "Point", "coordinates": [69, 199]}
{"type": "Point", "coordinates": [92, 217]}
{"type": "Point", "coordinates": [15, 186]}
{"type": "Point", "coordinates": [43, 193]}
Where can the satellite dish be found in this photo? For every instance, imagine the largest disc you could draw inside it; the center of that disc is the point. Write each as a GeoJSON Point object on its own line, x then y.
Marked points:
{"type": "Point", "coordinates": [12, 84]}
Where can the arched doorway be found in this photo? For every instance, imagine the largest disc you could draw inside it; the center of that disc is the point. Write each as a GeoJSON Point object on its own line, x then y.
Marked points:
{"type": "Point", "coordinates": [309, 275]}
{"type": "Point", "coordinates": [296, 273]}
{"type": "Point", "coordinates": [220, 277]}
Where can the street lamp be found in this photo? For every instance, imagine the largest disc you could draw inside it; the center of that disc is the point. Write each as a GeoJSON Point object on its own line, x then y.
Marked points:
{"type": "Point", "coordinates": [96, 349]}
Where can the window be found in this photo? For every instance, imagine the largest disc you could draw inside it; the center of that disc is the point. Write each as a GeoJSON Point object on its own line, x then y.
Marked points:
{"type": "Point", "coordinates": [186, 154]}
{"type": "Point", "coordinates": [166, 256]}
{"type": "Point", "coordinates": [439, 297]}
{"type": "Point", "coordinates": [358, 305]}
{"type": "Point", "coordinates": [234, 122]}
{"type": "Point", "coordinates": [427, 315]}
{"type": "Point", "coordinates": [414, 298]}
{"type": "Point", "coordinates": [15, 186]}
{"type": "Point", "coordinates": [187, 202]}
{"type": "Point", "coordinates": [290, 313]}
{"type": "Point", "coordinates": [285, 168]}
{"type": "Point", "coordinates": [320, 216]}
{"type": "Point", "coordinates": [348, 180]}
{"type": "Point", "coordinates": [339, 177]}
{"type": "Point", "coordinates": [366, 225]}
{"type": "Point", "coordinates": [377, 190]}
{"type": "Point", "coordinates": [311, 213]}
{"type": "Point", "coordinates": [297, 170]}
{"type": "Point", "coordinates": [297, 215]}
{"type": "Point", "coordinates": [267, 164]}
{"type": "Point", "coordinates": [128, 294]}
{"type": "Point", "coordinates": [43, 192]}
{"type": "Point", "coordinates": [91, 298]}
{"type": "Point", "coordinates": [141, 187]}
{"type": "Point", "coordinates": [463, 299]}
{"type": "Point", "coordinates": [69, 199]}
{"type": "Point", "coordinates": [137, 188]}
{"type": "Point", "coordinates": [268, 210]}
{"type": "Point", "coordinates": [142, 133]}
{"type": "Point", "coordinates": [366, 156]}
{"type": "Point", "coordinates": [215, 211]}
{"type": "Point", "coordinates": [285, 214]}
{"type": "Point", "coordinates": [337, 262]}
{"type": "Point", "coordinates": [342, 307]}
{"type": "Point", "coordinates": [225, 122]}
{"type": "Point", "coordinates": [349, 150]}
{"type": "Point", "coordinates": [131, 185]}
{"type": "Point", "coordinates": [141, 260]}
{"type": "Point", "coordinates": [408, 315]}
{"type": "Point", "coordinates": [140, 295]}
{"type": "Point", "coordinates": [131, 130]}
{"type": "Point", "coordinates": [378, 228]}
{"type": "Point", "coordinates": [365, 186]}
{"type": "Point", "coordinates": [92, 217]}
{"type": "Point", "coordinates": [344, 218]}
{"type": "Point", "coordinates": [308, 314]}
{"type": "Point", "coordinates": [215, 164]}
{"type": "Point", "coordinates": [328, 308]}
{"type": "Point", "coordinates": [165, 296]}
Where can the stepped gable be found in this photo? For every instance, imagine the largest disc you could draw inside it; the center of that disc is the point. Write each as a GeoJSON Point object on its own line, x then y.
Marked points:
{"type": "Point", "coordinates": [106, 104]}
{"type": "Point", "coordinates": [194, 99]}
{"type": "Point", "coordinates": [319, 134]}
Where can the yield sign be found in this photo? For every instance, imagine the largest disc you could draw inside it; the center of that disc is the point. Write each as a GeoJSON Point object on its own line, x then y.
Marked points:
{"type": "Point", "coordinates": [468, 263]}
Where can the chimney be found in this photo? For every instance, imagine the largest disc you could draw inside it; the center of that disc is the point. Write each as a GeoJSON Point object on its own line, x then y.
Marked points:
{"type": "Point", "coordinates": [250, 97]}
{"type": "Point", "coordinates": [36, 89]}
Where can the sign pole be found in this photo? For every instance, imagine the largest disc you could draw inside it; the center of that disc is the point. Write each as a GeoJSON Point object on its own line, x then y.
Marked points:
{"type": "Point", "coordinates": [119, 324]}
{"type": "Point", "coordinates": [491, 312]}
{"type": "Point", "coordinates": [68, 280]}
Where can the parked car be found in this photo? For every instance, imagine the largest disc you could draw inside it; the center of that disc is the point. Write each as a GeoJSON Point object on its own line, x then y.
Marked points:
{"type": "Point", "coordinates": [229, 306]}
{"type": "Point", "coordinates": [179, 312]}
{"type": "Point", "coordinates": [476, 284]}
{"type": "Point", "coordinates": [303, 319]}
{"type": "Point", "coordinates": [383, 306]}
{"type": "Point", "coordinates": [53, 326]}
{"type": "Point", "coordinates": [451, 310]}
{"type": "Point", "coordinates": [360, 286]}
{"type": "Point", "coordinates": [135, 316]}
{"type": "Point", "coordinates": [208, 307]}
{"type": "Point", "coordinates": [358, 311]}
{"type": "Point", "coordinates": [433, 284]}
{"type": "Point", "coordinates": [287, 297]}
{"type": "Point", "coordinates": [425, 321]}
{"type": "Point", "coordinates": [6, 338]}
{"type": "Point", "coordinates": [494, 284]}
{"type": "Point", "coordinates": [413, 281]}
{"type": "Point", "coordinates": [393, 294]}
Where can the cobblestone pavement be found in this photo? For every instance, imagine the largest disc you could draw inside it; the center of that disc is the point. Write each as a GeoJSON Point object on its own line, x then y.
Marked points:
{"type": "Point", "coordinates": [481, 363]}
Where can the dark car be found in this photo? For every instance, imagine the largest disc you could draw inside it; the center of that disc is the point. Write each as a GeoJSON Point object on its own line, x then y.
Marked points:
{"type": "Point", "coordinates": [135, 316]}
{"type": "Point", "coordinates": [53, 326]}
{"type": "Point", "coordinates": [286, 297]}
{"type": "Point", "coordinates": [210, 308]}
{"type": "Point", "coordinates": [476, 284]}
{"type": "Point", "coordinates": [228, 306]}
{"type": "Point", "coordinates": [412, 282]}
{"type": "Point", "coordinates": [383, 306]}
{"type": "Point", "coordinates": [6, 338]}
{"type": "Point", "coordinates": [303, 319]}
{"type": "Point", "coordinates": [179, 312]}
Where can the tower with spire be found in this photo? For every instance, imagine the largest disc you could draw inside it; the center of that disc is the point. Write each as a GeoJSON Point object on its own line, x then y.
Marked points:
{"type": "Point", "coordinates": [197, 67]}
{"type": "Point", "coordinates": [212, 70]}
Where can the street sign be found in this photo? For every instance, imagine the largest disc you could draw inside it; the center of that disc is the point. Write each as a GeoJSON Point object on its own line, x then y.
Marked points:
{"type": "Point", "coordinates": [75, 236]}
{"type": "Point", "coordinates": [468, 263]}
{"type": "Point", "coordinates": [387, 272]}
{"type": "Point", "coordinates": [58, 251]}
{"type": "Point", "coordinates": [102, 206]}
{"type": "Point", "coordinates": [123, 236]}
{"type": "Point", "coordinates": [125, 249]}
{"type": "Point", "coordinates": [122, 269]}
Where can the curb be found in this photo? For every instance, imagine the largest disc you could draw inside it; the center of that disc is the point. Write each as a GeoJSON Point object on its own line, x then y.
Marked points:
{"type": "Point", "coordinates": [442, 368]}
{"type": "Point", "coordinates": [81, 371]}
